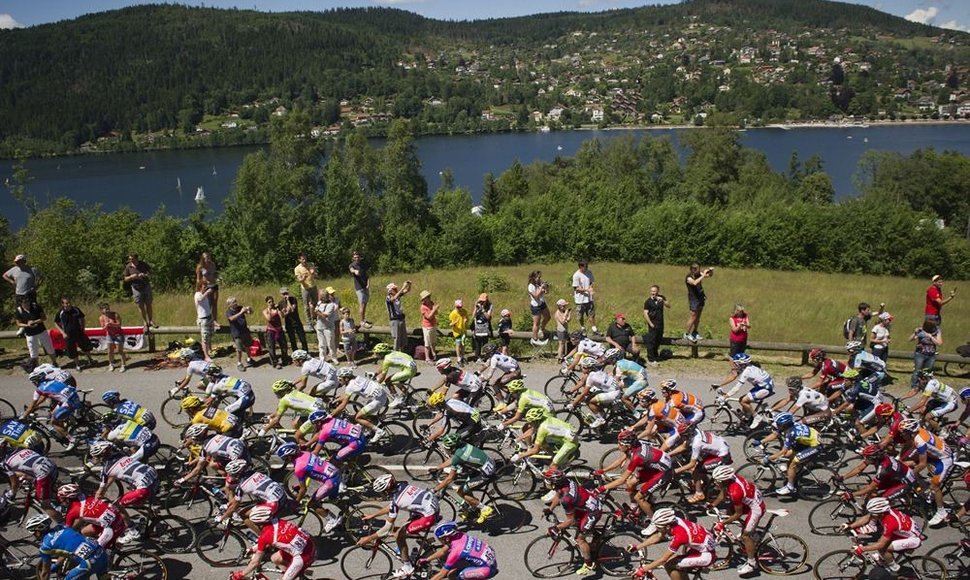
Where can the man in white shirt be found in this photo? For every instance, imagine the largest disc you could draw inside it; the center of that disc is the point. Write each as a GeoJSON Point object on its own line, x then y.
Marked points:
{"type": "Point", "coordinates": [583, 296]}
{"type": "Point", "coordinates": [203, 310]}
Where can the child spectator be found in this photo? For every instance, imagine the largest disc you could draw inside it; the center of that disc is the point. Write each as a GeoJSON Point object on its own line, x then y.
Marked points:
{"type": "Point", "coordinates": [429, 325]}
{"type": "Point", "coordinates": [563, 316]}
{"type": "Point", "coordinates": [242, 338]}
{"type": "Point", "coordinates": [110, 321]}
{"type": "Point", "coordinates": [740, 323]}
{"type": "Point", "coordinates": [505, 330]}
{"type": "Point", "coordinates": [348, 339]}
{"type": "Point", "coordinates": [458, 318]}
{"type": "Point", "coordinates": [483, 324]}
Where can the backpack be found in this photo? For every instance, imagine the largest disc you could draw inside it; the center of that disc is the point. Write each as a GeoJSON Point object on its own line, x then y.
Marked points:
{"type": "Point", "coordinates": [847, 328]}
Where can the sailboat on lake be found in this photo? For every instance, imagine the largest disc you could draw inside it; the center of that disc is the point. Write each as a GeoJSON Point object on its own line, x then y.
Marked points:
{"type": "Point", "coordinates": [200, 195]}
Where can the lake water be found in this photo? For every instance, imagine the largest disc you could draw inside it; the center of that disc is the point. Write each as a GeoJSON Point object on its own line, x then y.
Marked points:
{"type": "Point", "coordinates": [144, 181]}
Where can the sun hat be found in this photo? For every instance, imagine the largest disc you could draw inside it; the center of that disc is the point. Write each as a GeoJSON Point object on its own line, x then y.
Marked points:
{"type": "Point", "coordinates": [330, 290]}
{"type": "Point", "coordinates": [424, 294]}
{"type": "Point", "coordinates": [459, 303]}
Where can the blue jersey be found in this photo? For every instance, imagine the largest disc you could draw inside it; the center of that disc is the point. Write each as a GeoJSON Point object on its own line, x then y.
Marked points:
{"type": "Point", "coordinates": [14, 432]}
{"type": "Point", "coordinates": [68, 542]}
{"type": "Point", "coordinates": [58, 391]}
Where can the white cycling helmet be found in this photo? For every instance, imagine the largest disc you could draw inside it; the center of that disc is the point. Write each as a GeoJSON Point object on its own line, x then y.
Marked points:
{"type": "Point", "coordinates": [345, 373]}
{"type": "Point", "coordinates": [260, 514]}
{"type": "Point", "coordinates": [877, 505]}
{"type": "Point", "coordinates": [101, 448]}
{"type": "Point", "coordinates": [588, 363]}
{"type": "Point", "coordinates": [663, 517]}
{"type": "Point", "coordinates": [38, 522]}
{"type": "Point", "coordinates": [442, 363]}
{"type": "Point", "coordinates": [236, 466]}
{"type": "Point", "coordinates": [300, 355]}
{"type": "Point", "coordinates": [196, 430]}
{"type": "Point", "coordinates": [383, 483]}
{"type": "Point", "coordinates": [723, 473]}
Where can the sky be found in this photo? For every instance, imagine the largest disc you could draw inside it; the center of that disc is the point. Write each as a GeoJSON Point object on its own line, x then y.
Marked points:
{"type": "Point", "coordinates": [954, 14]}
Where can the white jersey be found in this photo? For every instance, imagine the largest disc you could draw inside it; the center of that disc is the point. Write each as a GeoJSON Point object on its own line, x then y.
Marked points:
{"type": "Point", "coordinates": [130, 471]}
{"type": "Point", "coordinates": [937, 391]}
{"type": "Point", "coordinates": [319, 368]}
{"type": "Point", "coordinates": [503, 363]}
{"type": "Point", "coordinates": [867, 360]}
{"type": "Point", "coordinates": [706, 444]}
{"type": "Point", "coordinates": [197, 368]}
{"type": "Point", "coordinates": [809, 398]}
{"type": "Point", "coordinates": [757, 376]}
{"type": "Point", "coordinates": [470, 382]}
{"type": "Point", "coordinates": [227, 384]}
{"type": "Point", "coordinates": [366, 389]}
{"type": "Point", "coordinates": [414, 500]}
{"type": "Point", "coordinates": [260, 486]}
{"type": "Point", "coordinates": [601, 381]}
{"type": "Point", "coordinates": [590, 348]}
{"type": "Point", "coordinates": [28, 461]}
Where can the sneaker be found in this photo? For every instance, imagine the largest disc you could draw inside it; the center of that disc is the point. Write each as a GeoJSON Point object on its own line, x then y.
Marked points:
{"type": "Point", "coordinates": [586, 569]}
{"type": "Point", "coordinates": [597, 422]}
{"type": "Point", "coordinates": [131, 534]}
{"type": "Point", "coordinates": [236, 519]}
{"type": "Point", "coordinates": [893, 566]}
{"type": "Point", "coordinates": [483, 515]}
{"type": "Point", "coordinates": [785, 490]}
{"type": "Point", "coordinates": [122, 369]}
{"type": "Point", "coordinates": [687, 336]}
{"type": "Point", "coordinates": [378, 434]}
{"type": "Point", "coordinates": [653, 363]}
{"type": "Point", "coordinates": [697, 337]}
{"type": "Point", "coordinates": [111, 368]}
{"type": "Point", "coordinates": [464, 516]}
{"type": "Point", "coordinates": [403, 572]}
{"type": "Point", "coordinates": [71, 444]}
{"type": "Point", "coordinates": [78, 367]}
{"type": "Point", "coordinates": [937, 518]}
{"type": "Point", "coordinates": [396, 402]}
{"type": "Point", "coordinates": [745, 568]}
{"type": "Point", "coordinates": [595, 330]}
{"type": "Point", "coordinates": [240, 367]}
{"type": "Point", "coordinates": [331, 523]}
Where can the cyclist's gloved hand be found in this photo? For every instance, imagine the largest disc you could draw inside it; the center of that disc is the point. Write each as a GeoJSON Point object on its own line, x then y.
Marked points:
{"type": "Point", "coordinates": [515, 458]}
{"type": "Point", "coordinates": [766, 460]}
{"type": "Point", "coordinates": [847, 496]}
{"type": "Point", "coordinates": [843, 528]}
{"type": "Point", "coordinates": [554, 532]}
{"type": "Point", "coordinates": [598, 472]}
{"type": "Point", "coordinates": [236, 576]}
{"type": "Point", "coordinates": [857, 550]}
{"type": "Point", "coordinates": [719, 527]}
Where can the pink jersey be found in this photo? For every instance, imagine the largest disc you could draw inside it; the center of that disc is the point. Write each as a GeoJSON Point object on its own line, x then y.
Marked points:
{"type": "Point", "coordinates": [469, 550]}
{"type": "Point", "coordinates": [340, 430]}
{"type": "Point", "coordinates": [316, 468]}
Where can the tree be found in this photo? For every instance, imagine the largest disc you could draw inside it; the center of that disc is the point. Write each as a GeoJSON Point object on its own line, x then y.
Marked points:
{"type": "Point", "coordinates": [490, 196]}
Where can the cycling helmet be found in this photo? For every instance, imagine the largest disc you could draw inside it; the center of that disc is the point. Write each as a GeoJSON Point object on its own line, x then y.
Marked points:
{"type": "Point", "coordinates": [436, 399]}
{"type": "Point", "coordinates": [588, 363]}
{"type": "Point", "coordinates": [663, 517]}
{"type": "Point", "coordinates": [877, 505]}
{"type": "Point", "coordinates": [442, 364]}
{"type": "Point", "coordinates": [236, 466]}
{"type": "Point", "coordinates": [381, 348]}
{"type": "Point", "coordinates": [515, 386]}
{"type": "Point", "coordinates": [453, 377]}
{"type": "Point", "coordinates": [318, 416]}
{"type": "Point", "coordinates": [647, 394]}
{"type": "Point", "coordinates": [260, 514]}
{"type": "Point", "coordinates": [794, 383]}
{"type": "Point", "coordinates": [287, 449]}
{"type": "Point", "coordinates": [740, 359]}
{"type": "Point", "coordinates": [111, 397]}
{"type": "Point", "coordinates": [383, 483]}
{"type": "Point", "coordinates": [850, 373]}
{"type": "Point", "coordinates": [817, 354]}
{"type": "Point", "coordinates": [554, 476]}
{"type": "Point", "coordinates": [196, 430]}
{"type": "Point", "coordinates": [668, 385]}
{"type": "Point", "coordinates": [884, 410]}
{"type": "Point", "coordinates": [723, 473]}
{"type": "Point", "coordinates": [853, 346]}
{"type": "Point", "coordinates": [612, 355]}
{"type": "Point", "coordinates": [445, 530]}
{"type": "Point", "coordinates": [784, 420]}
{"type": "Point", "coordinates": [34, 443]}
{"type": "Point", "coordinates": [873, 452]}
{"type": "Point", "coordinates": [576, 336]}
{"type": "Point", "coordinates": [451, 441]}
{"type": "Point", "coordinates": [101, 448]}
{"type": "Point", "coordinates": [345, 373]}
{"type": "Point", "coordinates": [37, 376]}
{"type": "Point", "coordinates": [924, 374]}
{"type": "Point", "coordinates": [38, 523]}
{"type": "Point", "coordinates": [190, 402]}
{"type": "Point", "coordinates": [909, 425]}
{"type": "Point", "coordinates": [282, 386]}
{"type": "Point", "coordinates": [488, 349]}
{"type": "Point", "coordinates": [685, 427]}
{"type": "Point", "coordinates": [965, 393]}
{"type": "Point", "coordinates": [627, 437]}
{"type": "Point", "coordinates": [213, 370]}
{"type": "Point", "coordinates": [300, 355]}
{"type": "Point", "coordinates": [68, 492]}
{"type": "Point", "coordinates": [535, 415]}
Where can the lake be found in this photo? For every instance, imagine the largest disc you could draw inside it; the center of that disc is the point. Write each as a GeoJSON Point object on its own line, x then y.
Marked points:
{"type": "Point", "coordinates": [144, 181]}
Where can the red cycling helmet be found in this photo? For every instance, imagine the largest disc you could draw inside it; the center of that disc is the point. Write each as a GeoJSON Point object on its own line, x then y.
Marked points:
{"type": "Point", "coordinates": [684, 427]}
{"type": "Point", "coordinates": [873, 452]}
{"type": "Point", "coordinates": [884, 410]}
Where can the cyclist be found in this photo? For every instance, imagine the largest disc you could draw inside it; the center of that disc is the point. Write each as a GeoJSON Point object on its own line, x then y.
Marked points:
{"type": "Point", "coordinates": [707, 452]}
{"type": "Point", "coordinates": [684, 535]}
{"type": "Point", "coordinates": [965, 397]}
{"type": "Point", "coordinates": [553, 433]}
{"type": "Point", "coordinates": [470, 386]}
{"type": "Point", "coordinates": [69, 547]}
{"type": "Point", "coordinates": [661, 419]}
{"type": "Point", "coordinates": [396, 368]}
{"type": "Point", "coordinates": [893, 477]}
{"type": "Point", "coordinates": [829, 371]}
{"type": "Point", "coordinates": [307, 466]}
{"type": "Point", "coordinates": [887, 415]}
{"type": "Point", "coordinates": [420, 504]}
{"type": "Point", "coordinates": [476, 469]}
{"type": "Point", "coordinates": [582, 348]}
{"type": "Point", "coordinates": [218, 384]}
{"type": "Point", "coordinates": [96, 518]}
{"type": "Point", "coordinates": [214, 418]}
{"type": "Point", "coordinates": [216, 452]}
{"type": "Point", "coordinates": [583, 510]}
{"type": "Point", "coordinates": [465, 556]}
{"type": "Point", "coordinates": [142, 478]}
{"type": "Point", "coordinates": [630, 373]}
{"type": "Point", "coordinates": [291, 400]}
{"type": "Point", "coordinates": [526, 399]}
{"type": "Point", "coordinates": [27, 463]}
{"type": "Point", "coordinates": [933, 455]}
{"type": "Point", "coordinates": [317, 368]}
{"type": "Point", "coordinates": [143, 444]}
{"type": "Point", "coordinates": [799, 442]}
{"type": "Point", "coordinates": [937, 401]}
{"type": "Point", "coordinates": [650, 465]}
{"type": "Point", "coordinates": [196, 368]}
{"type": "Point", "coordinates": [349, 435]}
{"type": "Point", "coordinates": [744, 371]}
{"type": "Point", "coordinates": [899, 532]}
{"type": "Point", "coordinates": [746, 502]}
{"type": "Point", "coordinates": [467, 419]}
{"type": "Point", "coordinates": [507, 366]}
{"type": "Point", "coordinates": [17, 434]}
{"type": "Point", "coordinates": [869, 365]}
{"type": "Point", "coordinates": [243, 481]}
{"type": "Point", "coordinates": [814, 404]}
{"type": "Point", "coordinates": [598, 388]}
{"type": "Point", "coordinates": [691, 408]}
{"type": "Point", "coordinates": [66, 398]}
{"type": "Point", "coordinates": [295, 548]}
{"type": "Point", "coordinates": [374, 395]}
{"type": "Point", "coordinates": [129, 409]}
{"type": "Point", "coordinates": [54, 373]}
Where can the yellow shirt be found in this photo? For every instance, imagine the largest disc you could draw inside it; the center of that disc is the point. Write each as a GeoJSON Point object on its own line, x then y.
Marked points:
{"type": "Point", "coordinates": [304, 276]}
{"type": "Point", "coordinates": [217, 419]}
{"type": "Point", "coordinates": [459, 321]}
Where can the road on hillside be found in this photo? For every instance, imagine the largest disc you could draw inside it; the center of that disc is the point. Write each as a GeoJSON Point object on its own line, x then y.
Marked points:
{"type": "Point", "coordinates": [150, 389]}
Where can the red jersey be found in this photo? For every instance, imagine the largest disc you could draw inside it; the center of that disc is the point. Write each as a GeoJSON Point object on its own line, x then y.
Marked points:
{"type": "Point", "coordinates": [649, 458]}
{"type": "Point", "coordinates": [898, 526]}
{"type": "Point", "coordinates": [285, 537]}
{"type": "Point", "coordinates": [95, 511]}
{"type": "Point", "coordinates": [744, 493]}
{"type": "Point", "coordinates": [832, 370]}
{"type": "Point", "coordinates": [691, 535]}
{"type": "Point", "coordinates": [933, 294]}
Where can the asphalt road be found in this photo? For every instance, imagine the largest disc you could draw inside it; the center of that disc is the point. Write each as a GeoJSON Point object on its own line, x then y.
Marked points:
{"type": "Point", "coordinates": [150, 389]}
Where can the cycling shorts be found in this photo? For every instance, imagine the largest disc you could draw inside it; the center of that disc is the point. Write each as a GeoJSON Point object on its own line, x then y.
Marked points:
{"type": "Point", "coordinates": [760, 392]}
{"type": "Point", "coordinates": [324, 387]}
{"type": "Point", "coordinates": [753, 516]}
{"type": "Point", "coordinates": [565, 454]}
{"type": "Point", "coordinates": [606, 397]}
{"type": "Point", "coordinates": [711, 463]}
{"type": "Point", "coordinates": [634, 387]}
{"type": "Point", "coordinates": [905, 544]}
{"type": "Point", "coordinates": [652, 479]}
{"type": "Point", "coordinates": [478, 572]}
{"type": "Point", "coordinates": [91, 568]}
{"type": "Point", "coordinates": [695, 559]}
{"type": "Point", "coordinates": [297, 565]}
{"type": "Point", "coordinates": [803, 454]}
{"type": "Point", "coordinates": [940, 468]}
{"type": "Point", "coordinates": [329, 489]}
{"type": "Point", "coordinates": [242, 404]}
{"type": "Point", "coordinates": [587, 520]}
{"type": "Point", "coordinates": [63, 411]}
{"type": "Point", "coordinates": [373, 407]}
{"type": "Point", "coordinates": [421, 524]}
{"type": "Point", "coordinates": [138, 496]}
{"type": "Point", "coordinates": [939, 408]}
{"type": "Point", "coordinates": [44, 487]}
{"type": "Point", "coordinates": [351, 449]}
{"type": "Point", "coordinates": [404, 375]}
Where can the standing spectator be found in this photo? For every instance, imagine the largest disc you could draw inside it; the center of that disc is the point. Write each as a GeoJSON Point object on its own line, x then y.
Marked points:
{"type": "Point", "coordinates": [70, 321]}
{"type": "Point", "coordinates": [23, 277]}
{"type": "Point", "coordinates": [653, 315]}
{"type": "Point", "coordinates": [203, 310]}
{"type": "Point", "coordinates": [696, 298]}
{"type": "Point", "coordinates": [358, 269]}
{"type": "Point", "coordinates": [563, 316]}
{"type": "Point", "coordinates": [458, 319]}
{"type": "Point", "coordinates": [879, 341]}
{"type": "Point", "coordinates": [274, 333]}
{"type": "Point", "coordinates": [855, 327]}
{"type": "Point", "coordinates": [539, 308]}
{"type": "Point", "coordinates": [583, 296]}
{"type": "Point", "coordinates": [333, 297]}
{"type": "Point", "coordinates": [505, 330]}
{"type": "Point", "coordinates": [395, 314]}
{"type": "Point", "coordinates": [306, 275]}
{"type": "Point", "coordinates": [483, 323]}
{"type": "Point", "coordinates": [290, 308]}
{"type": "Point", "coordinates": [621, 335]}
{"type": "Point", "coordinates": [928, 339]}
{"type": "Point", "coordinates": [30, 317]}
{"type": "Point", "coordinates": [242, 338]}
{"type": "Point", "coordinates": [348, 336]}
{"type": "Point", "coordinates": [326, 328]}
{"type": "Point", "coordinates": [429, 325]}
{"type": "Point", "coordinates": [110, 321]}
{"type": "Point", "coordinates": [934, 301]}
{"type": "Point", "coordinates": [136, 276]}
{"type": "Point", "coordinates": [740, 323]}
{"type": "Point", "coordinates": [207, 271]}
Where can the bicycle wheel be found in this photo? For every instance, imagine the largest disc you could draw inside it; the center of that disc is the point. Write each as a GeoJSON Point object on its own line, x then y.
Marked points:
{"type": "Point", "coordinates": [189, 502]}
{"type": "Point", "coordinates": [763, 476]}
{"type": "Point", "coordinates": [354, 523]}
{"type": "Point", "coordinates": [927, 568]}
{"type": "Point", "coordinates": [611, 456]}
{"type": "Point", "coordinates": [509, 517]}
{"type": "Point", "coordinates": [222, 548]}
{"type": "Point", "coordinates": [839, 565]}
{"type": "Point", "coordinates": [17, 559]}
{"type": "Point", "coordinates": [756, 453]}
{"type": "Point", "coordinates": [163, 459]}
{"type": "Point", "coordinates": [782, 554]}
{"type": "Point", "coordinates": [547, 557]}
{"type": "Point", "coordinates": [514, 481]}
{"type": "Point", "coordinates": [573, 418]}
{"type": "Point", "coordinates": [957, 369]}
{"type": "Point", "coordinates": [613, 559]}
{"type": "Point", "coordinates": [723, 553]}
{"type": "Point", "coordinates": [363, 478]}
{"type": "Point", "coordinates": [172, 412]}
{"type": "Point", "coordinates": [826, 518]}
{"type": "Point", "coordinates": [418, 462]}
{"type": "Point", "coordinates": [138, 564]}
{"type": "Point", "coordinates": [311, 522]}
{"type": "Point", "coordinates": [366, 562]}
{"type": "Point", "coordinates": [557, 389]}
{"type": "Point", "coordinates": [397, 439]}
{"type": "Point", "coordinates": [955, 558]}
{"type": "Point", "coordinates": [7, 410]}
{"type": "Point", "coordinates": [421, 424]}
{"type": "Point", "coordinates": [170, 534]}
{"type": "Point", "coordinates": [720, 420]}
{"type": "Point", "coordinates": [815, 482]}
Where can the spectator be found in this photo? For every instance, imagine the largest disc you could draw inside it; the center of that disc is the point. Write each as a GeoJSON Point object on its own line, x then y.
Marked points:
{"type": "Point", "coordinates": [696, 298]}
{"type": "Point", "coordinates": [326, 328]}
{"type": "Point", "coordinates": [458, 319]}
{"type": "Point", "coordinates": [563, 316]}
{"type": "Point", "coordinates": [538, 306]}
{"type": "Point", "coordinates": [136, 275]}
{"type": "Point", "coordinates": [274, 333]}
{"type": "Point", "coordinates": [348, 336]}
{"type": "Point", "coordinates": [621, 335]}
{"type": "Point", "coordinates": [879, 341]}
{"type": "Point", "coordinates": [653, 315]}
{"type": "Point", "coordinates": [24, 278]}
{"type": "Point", "coordinates": [203, 310]}
{"type": "Point", "coordinates": [395, 314]}
{"type": "Point", "coordinates": [30, 317]}
{"type": "Point", "coordinates": [740, 323]}
{"type": "Point", "coordinates": [505, 330]}
{"type": "Point", "coordinates": [934, 301]}
{"type": "Point", "coordinates": [358, 269]}
{"type": "Point", "coordinates": [70, 321]}
{"type": "Point", "coordinates": [207, 271]}
{"type": "Point", "coordinates": [928, 339]}
{"type": "Point", "coordinates": [242, 338]}
{"type": "Point", "coordinates": [111, 323]}
{"type": "Point", "coordinates": [583, 296]}
{"type": "Point", "coordinates": [306, 275]}
{"type": "Point", "coordinates": [855, 327]}
{"type": "Point", "coordinates": [290, 308]}
{"type": "Point", "coordinates": [429, 325]}
{"type": "Point", "coordinates": [483, 323]}
{"type": "Point", "coordinates": [333, 297]}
